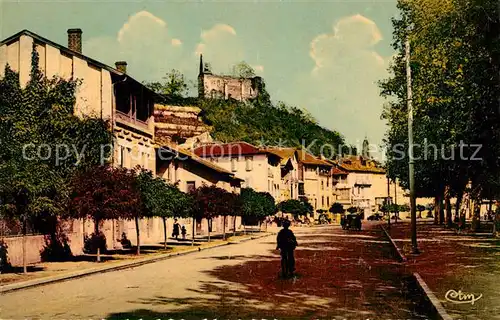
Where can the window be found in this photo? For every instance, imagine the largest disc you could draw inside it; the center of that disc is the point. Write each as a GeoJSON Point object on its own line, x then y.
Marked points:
{"type": "Point", "coordinates": [190, 186]}
{"type": "Point", "coordinates": [233, 164]}
{"type": "Point", "coordinates": [328, 201]}
{"type": "Point", "coordinates": [322, 201]}
{"type": "Point", "coordinates": [128, 160]}
{"type": "Point", "coordinates": [322, 185]}
{"type": "Point", "coordinates": [327, 181]}
{"type": "Point", "coordinates": [249, 163]}
{"type": "Point", "coordinates": [121, 156]}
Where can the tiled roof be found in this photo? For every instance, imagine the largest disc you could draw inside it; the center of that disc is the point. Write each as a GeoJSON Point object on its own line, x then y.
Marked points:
{"type": "Point", "coordinates": [358, 164]}
{"type": "Point", "coordinates": [284, 153]}
{"type": "Point", "coordinates": [307, 158]}
{"type": "Point", "coordinates": [337, 171]}
{"type": "Point", "coordinates": [227, 149]}
{"type": "Point", "coordinates": [199, 160]}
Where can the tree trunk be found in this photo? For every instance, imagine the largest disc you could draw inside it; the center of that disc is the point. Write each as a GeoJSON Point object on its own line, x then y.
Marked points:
{"type": "Point", "coordinates": [244, 227]}
{"type": "Point", "coordinates": [447, 205]}
{"type": "Point", "coordinates": [165, 233]}
{"type": "Point", "coordinates": [137, 232]}
{"type": "Point", "coordinates": [437, 200]}
{"type": "Point", "coordinates": [234, 226]}
{"type": "Point", "coordinates": [224, 228]}
{"type": "Point", "coordinates": [476, 218]}
{"type": "Point", "coordinates": [458, 204]}
{"type": "Point", "coordinates": [97, 235]}
{"type": "Point", "coordinates": [25, 267]}
{"type": "Point", "coordinates": [208, 229]}
{"type": "Point", "coordinates": [194, 222]}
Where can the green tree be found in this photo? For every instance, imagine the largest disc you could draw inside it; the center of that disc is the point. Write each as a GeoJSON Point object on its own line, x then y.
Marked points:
{"type": "Point", "coordinates": [243, 70]}
{"type": "Point", "coordinates": [208, 204]}
{"type": "Point", "coordinates": [160, 199]}
{"type": "Point", "coordinates": [39, 133]}
{"type": "Point", "coordinates": [454, 95]}
{"type": "Point", "coordinates": [173, 88]}
{"type": "Point", "coordinates": [337, 208]}
{"type": "Point", "coordinates": [294, 207]}
{"type": "Point", "coordinates": [103, 193]}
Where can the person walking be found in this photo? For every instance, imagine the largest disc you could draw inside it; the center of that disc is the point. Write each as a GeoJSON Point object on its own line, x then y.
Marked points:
{"type": "Point", "coordinates": [183, 232]}
{"type": "Point", "coordinates": [286, 243]}
{"type": "Point", "coordinates": [175, 233]}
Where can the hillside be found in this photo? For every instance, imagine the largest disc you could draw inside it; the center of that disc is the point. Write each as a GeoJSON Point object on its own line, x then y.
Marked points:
{"type": "Point", "coordinates": [258, 121]}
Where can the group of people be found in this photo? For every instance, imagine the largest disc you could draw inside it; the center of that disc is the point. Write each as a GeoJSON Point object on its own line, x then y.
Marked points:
{"type": "Point", "coordinates": [175, 232]}
{"type": "Point", "coordinates": [286, 243]}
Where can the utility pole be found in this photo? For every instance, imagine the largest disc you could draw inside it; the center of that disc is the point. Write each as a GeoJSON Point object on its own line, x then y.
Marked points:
{"type": "Point", "coordinates": [396, 214]}
{"type": "Point", "coordinates": [410, 150]}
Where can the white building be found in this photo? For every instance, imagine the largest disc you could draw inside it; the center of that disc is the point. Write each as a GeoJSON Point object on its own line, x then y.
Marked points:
{"type": "Point", "coordinates": [259, 169]}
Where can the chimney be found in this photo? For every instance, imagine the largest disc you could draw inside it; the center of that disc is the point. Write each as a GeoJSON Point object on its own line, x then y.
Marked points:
{"type": "Point", "coordinates": [121, 66]}
{"type": "Point", "coordinates": [75, 40]}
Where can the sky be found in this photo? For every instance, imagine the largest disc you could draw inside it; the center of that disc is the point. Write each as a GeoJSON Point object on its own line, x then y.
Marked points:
{"type": "Point", "coordinates": [323, 56]}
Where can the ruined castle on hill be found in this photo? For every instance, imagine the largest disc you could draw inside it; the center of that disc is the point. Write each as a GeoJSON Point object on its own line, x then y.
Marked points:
{"type": "Point", "coordinates": [213, 86]}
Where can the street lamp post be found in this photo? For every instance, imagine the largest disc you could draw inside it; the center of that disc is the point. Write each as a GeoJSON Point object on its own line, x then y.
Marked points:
{"type": "Point", "coordinates": [410, 151]}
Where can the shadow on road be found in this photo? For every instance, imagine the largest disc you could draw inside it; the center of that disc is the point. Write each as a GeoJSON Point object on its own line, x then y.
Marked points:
{"type": "Point", "coordinates": [340, 276]}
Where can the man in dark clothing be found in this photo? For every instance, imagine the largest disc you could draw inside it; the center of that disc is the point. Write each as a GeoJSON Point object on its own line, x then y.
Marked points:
{"type": "Point", "coordinates": [286, 243]}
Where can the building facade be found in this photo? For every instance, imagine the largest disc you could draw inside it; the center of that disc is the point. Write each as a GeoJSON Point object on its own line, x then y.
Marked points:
{"type": "Point", "coordinates": [258, 168]}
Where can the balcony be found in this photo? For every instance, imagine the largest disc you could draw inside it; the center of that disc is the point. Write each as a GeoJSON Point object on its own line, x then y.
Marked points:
{"type": "Point", "coordinates": [131, 121]}
{"type": "Point", "coordinates": [362, 183]}
{"type": "Point", "coordinates": [270, 173]}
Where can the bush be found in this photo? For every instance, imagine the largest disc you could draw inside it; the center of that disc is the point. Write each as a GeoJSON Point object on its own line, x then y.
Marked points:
{"type": "Point", "coordinates": [56, 248]}
{"type": "Point", "coordinates": [93, 242]}
{"type": "Point", "coordinates": [4, 259]}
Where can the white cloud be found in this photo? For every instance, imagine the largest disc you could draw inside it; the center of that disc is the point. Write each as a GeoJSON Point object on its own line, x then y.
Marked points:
{"type": "Point", "coordinates": [342, 87]}
{"type": "Point", "coordinates": [221, 47]}
{"type": "Point", "coordinates": [151, 49]}
{"type": "Point", "coordinates": [148, 57]}
{"type": "Point", "coordinates": [176, 42]}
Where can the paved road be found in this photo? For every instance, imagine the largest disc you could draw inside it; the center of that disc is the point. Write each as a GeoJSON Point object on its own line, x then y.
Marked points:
{"type": "Point", "coordinates": [344, 274]}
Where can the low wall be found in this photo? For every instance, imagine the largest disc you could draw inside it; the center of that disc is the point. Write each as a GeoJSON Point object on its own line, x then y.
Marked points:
{"type": "Point", "coordinates": [151, 232]}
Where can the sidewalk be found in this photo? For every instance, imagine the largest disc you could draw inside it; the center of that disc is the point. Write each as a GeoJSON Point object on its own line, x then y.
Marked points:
{"type": "Point", "coordinates": [469, 263]}
{"type": "Point", "coordinates": [49, 272]}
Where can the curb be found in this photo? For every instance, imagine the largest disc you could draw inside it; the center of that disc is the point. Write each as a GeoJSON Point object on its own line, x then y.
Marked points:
{"type": "Point", "coordinates": [436, 304]}
{"type": "Point", "coordinates": [121, 266]}
{"type": "Point", "coordinates": [401, 256]}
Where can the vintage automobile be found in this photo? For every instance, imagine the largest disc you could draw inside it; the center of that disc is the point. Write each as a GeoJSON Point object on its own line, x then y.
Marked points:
{"type": "Point", "coordinates": [351, 221]}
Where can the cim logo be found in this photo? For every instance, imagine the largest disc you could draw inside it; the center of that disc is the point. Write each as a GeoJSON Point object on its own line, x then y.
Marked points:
{"type": "Point", "coordinates": [459, 297]}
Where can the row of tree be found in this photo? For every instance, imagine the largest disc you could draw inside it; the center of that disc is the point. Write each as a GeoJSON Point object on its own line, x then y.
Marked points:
{"type": "Point", "coordinates": [105, 193]}
{"type": "Point", "coordinates": [455, 63]}
{"type": "Point", "coordinates": [54, 165]}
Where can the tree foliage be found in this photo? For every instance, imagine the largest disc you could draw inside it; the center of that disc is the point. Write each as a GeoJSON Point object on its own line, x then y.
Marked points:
{"type": "Point", "coordinates": [295, 207]}
{"type": "Point", "coordinates": [455, 65]}
{"type": "Point", "coordinates": [256, 206]}
{"type": "Point", "coordinates": [258, 121]}
{"type": "Point", "coordinates": [42, 144]}
{"type": "Point", "coordinates": [337, 208]}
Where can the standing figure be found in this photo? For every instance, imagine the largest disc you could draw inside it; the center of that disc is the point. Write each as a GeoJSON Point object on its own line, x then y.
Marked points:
{"type": "Point", "coordinates": [183, 232]}
{"type": "Point", "coordinates": [175, 233]}
{"type": "Point", "coordinates": [286, 243]}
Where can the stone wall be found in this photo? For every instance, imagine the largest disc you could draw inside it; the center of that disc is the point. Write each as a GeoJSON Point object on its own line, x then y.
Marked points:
{"type": "Point", "coordinates": [179, 124]}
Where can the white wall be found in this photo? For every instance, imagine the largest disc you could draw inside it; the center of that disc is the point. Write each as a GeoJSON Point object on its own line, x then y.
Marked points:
{"type": "Point", "coordinates": [94, 96]}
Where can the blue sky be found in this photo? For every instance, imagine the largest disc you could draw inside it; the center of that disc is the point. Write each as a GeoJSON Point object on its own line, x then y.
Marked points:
{"type": "Point", "coordinates": [323, 56]}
